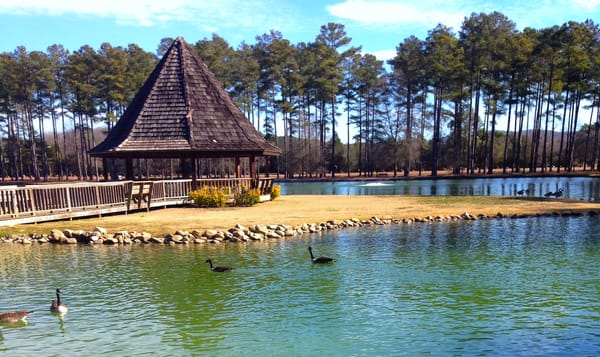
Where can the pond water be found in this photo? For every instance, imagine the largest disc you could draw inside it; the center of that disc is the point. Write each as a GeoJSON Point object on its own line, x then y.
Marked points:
{"type": "Point", "coordinates": [573, 187]}
{"type": "Point", "coordinates": [489, 287]}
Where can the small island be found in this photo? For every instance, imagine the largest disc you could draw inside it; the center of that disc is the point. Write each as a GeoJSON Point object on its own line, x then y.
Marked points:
{"type": "Point", "coordinates": [289, 216]}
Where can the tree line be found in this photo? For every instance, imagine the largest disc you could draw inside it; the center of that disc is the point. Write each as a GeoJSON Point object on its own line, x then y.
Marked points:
{"type": "Point", "coordinates": [52, 105]}
{"type": "Point", "coordinates": [435, 105]}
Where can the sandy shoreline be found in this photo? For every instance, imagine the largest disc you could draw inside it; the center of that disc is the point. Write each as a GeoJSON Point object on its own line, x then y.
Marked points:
{"type": "Point", "coordinates": [300, 209]}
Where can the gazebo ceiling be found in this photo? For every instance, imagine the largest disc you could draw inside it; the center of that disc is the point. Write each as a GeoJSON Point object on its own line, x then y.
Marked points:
{"type": "Point", "coordinates": [182, 111]}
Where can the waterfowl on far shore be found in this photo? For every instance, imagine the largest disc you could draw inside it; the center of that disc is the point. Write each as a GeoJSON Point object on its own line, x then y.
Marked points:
{"type": "Point", "coordinates": [218, 268]}
{"type": "Point", "coordinates": [558, 193]}
{"type": "Point", "coordinates": [14, 316]}
{"type": "Point", "coordinates": [319, 260]}
{"type": "Point", "coordinates": [57, 305]}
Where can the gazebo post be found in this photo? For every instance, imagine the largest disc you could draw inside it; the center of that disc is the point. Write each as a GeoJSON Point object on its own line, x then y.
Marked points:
{"type": "Point", "coordinates": [238, 170]}
{"type": "Point", "coordinates": [194, 175]}
{"type": "Point", "coordinates": [253, 172]}
{"type": "Point", "coordinates": [129, 168]}
{"type": "Point", "coordinates": [105, 168]}
{"type": "Point", "coordinates": [267, 164]}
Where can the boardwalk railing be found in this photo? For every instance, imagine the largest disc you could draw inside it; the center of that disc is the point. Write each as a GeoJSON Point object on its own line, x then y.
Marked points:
{"type": "Point", "coordinates": [38, 203]}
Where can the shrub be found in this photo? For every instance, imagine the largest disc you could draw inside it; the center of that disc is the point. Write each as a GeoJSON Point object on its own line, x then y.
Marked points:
{"type": "Point", "coordinates": [275, 191]}
{"type": "Point", "coordinates": [209, 196]}
{"type": "Point", "coordinates": [247, 197]}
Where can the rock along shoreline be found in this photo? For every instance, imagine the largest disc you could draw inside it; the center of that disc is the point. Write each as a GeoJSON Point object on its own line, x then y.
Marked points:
{"type": "Point", "coordinates": [258, 232]}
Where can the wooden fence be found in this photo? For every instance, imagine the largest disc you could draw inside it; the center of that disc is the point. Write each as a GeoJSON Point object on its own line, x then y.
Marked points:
{"type": "Point", "coordinates": [48, 202]}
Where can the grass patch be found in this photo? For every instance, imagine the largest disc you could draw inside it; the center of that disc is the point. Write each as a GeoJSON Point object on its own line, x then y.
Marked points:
{"type": "Point", "coordinates": [298, 209]}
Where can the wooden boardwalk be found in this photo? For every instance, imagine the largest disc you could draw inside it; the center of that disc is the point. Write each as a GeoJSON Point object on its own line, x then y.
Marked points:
{"type": "Point", "coordinates": [50, 202]}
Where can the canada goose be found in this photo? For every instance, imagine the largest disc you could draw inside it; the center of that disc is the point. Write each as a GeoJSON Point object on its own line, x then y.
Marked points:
{"type": "Point", "coordinates": [548, 194]}
{"type": "Point", "coordinates": [558, 193]}
{"type": "Point", "coordinates": [14, 316]}
{"type": "Point", "coordinates": [57, 305]}
{"type": "Point", "coordinates": [319, 260]}
{"type": "Point", "coordinates": [218, 269]}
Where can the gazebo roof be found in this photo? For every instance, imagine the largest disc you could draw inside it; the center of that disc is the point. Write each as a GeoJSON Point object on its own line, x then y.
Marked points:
{"type": "Point", "coordinates": [183, 111]}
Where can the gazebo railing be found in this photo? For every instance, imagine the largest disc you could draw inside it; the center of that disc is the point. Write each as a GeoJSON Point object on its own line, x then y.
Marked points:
{"type": "Point", "coordinates": [37, 203]}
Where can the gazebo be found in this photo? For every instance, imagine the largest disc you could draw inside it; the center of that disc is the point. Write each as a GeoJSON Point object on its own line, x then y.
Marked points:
{"type": "Point", "coordinates": [183, 112]}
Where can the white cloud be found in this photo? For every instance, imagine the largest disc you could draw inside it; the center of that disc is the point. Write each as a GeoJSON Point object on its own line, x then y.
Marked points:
{"type": "Point", "coordinates": [383, 55]}
{"type": "Point", "coordinates": [388, 12]}
{"type": "Point", "coordinates": [211, 29]}
{"type": "Point", "coordinates": [586, 4]}
{"type": "Point", "coordinates": [209, 14]}
{"type": "Point", "coordinates": [134, 12]}
{"type": "Point", "coordinates": [429, 13]}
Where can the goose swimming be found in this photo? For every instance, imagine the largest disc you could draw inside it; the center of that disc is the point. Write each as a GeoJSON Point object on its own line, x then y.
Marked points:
{"type": "Point", "coordinates": [14, 316]}
{"type": "Point", "coordinates": [57, 305]}
{"type": "Point", "coordinates": [218, 269]}
{"type": "Point", "coordinates": [319, 260]}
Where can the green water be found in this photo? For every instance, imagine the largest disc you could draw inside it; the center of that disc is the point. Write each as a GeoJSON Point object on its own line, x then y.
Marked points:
{"type": "Point", "coordinates": [498, 287]}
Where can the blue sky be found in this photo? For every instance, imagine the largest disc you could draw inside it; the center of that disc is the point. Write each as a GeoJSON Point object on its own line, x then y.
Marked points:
{"type": "Point", "coordinates": [378, 26]}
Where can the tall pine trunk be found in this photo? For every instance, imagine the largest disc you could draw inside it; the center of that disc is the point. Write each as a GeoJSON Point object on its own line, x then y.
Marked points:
{"type": "Point", "coordinates": [437, 113]}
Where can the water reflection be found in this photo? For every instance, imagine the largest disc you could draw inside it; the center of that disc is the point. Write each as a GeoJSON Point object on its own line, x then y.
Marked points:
{"type": "Point", "coordinates": [584, 188]}
{"type": "Point", "coordinates": [16, 324]}
{"type": "Point", "coordinates": [60, 317]}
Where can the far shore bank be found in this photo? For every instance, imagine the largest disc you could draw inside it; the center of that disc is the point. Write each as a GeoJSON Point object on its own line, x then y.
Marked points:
{"type": "Point", "coordinates": [426, 175]}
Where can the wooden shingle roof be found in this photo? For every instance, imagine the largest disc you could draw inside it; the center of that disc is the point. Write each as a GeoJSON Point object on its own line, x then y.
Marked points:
{"type": "Point", "coordinates": [183, 111]}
